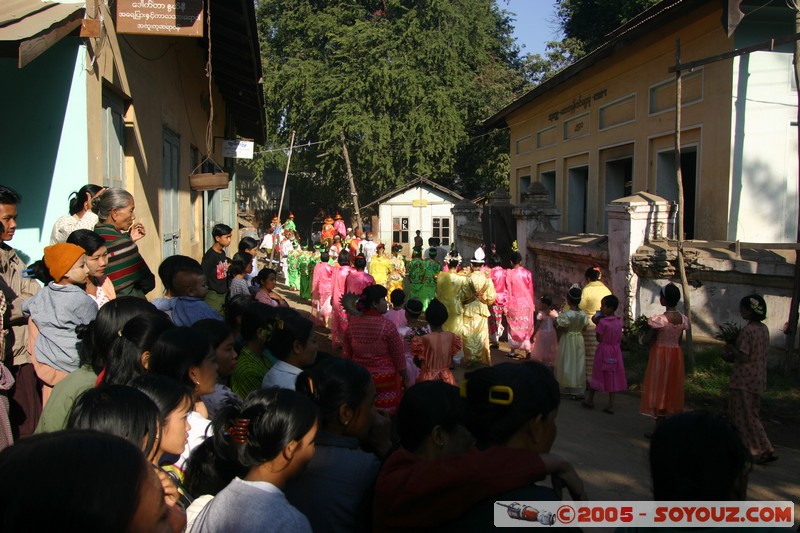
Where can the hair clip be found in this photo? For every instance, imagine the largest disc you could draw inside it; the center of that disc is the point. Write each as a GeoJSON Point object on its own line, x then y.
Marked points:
{"type": "Point", "coordinates": [311, 386]}
{"type": "Point", "coordinates": [119, 333]}
{"type": "Point", "coordinates": [462, 388]}
{"type": "Point", "coordinates": [755, 306]}
{"type": "Point", "coordinates": [279, 324]}
{"type": "Point", "coordinates": [239, 430]}
{"type": "Point", "coordinates": [501, 395]}
{"type": "Point", "coordinates": [596, 268]}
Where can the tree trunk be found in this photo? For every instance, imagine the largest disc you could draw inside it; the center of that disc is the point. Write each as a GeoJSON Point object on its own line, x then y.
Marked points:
{"type": "Point", "coordinates": [679, 177]}
{"type": "Point", "coordinates": [283, 191]}
{"type": "Point", "coordinates": [353, 191]}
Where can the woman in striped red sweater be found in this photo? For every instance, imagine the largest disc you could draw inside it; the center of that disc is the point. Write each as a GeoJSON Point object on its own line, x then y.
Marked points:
{"type": "Point", "coordinates": [126, 269]}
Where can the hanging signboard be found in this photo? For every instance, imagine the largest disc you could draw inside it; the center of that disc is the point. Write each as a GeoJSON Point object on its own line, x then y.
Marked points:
{"type": "Point", "coordinates": [237, 148]}
{"type": "Point", "coordinates": [160, 17]}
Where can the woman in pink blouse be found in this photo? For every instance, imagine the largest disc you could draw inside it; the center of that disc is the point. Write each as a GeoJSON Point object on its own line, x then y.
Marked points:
{"type": "Point", "coordinates": [372, 341]}
{"type": "Point", "coordinates": [520, 307]}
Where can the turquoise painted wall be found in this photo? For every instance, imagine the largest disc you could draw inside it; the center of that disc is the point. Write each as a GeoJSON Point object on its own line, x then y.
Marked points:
{"type": "Point", "coordinates": [43, 141]}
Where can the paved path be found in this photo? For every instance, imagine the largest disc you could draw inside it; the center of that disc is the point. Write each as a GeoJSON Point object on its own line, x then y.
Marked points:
{"type": "Point", "coordinates": [610, 451]}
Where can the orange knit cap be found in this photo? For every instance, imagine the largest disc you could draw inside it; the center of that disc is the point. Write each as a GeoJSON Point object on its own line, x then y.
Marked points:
{"type": "Point", "coordinates": [60, 258]}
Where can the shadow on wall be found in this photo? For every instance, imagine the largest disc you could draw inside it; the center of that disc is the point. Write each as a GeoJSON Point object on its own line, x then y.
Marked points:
{"type": "Point", "coordinates": [33, 104]}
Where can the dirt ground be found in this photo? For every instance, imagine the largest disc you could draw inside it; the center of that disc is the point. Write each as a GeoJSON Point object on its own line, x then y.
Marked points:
{"type": "Point", "coordinates": [610, 451]}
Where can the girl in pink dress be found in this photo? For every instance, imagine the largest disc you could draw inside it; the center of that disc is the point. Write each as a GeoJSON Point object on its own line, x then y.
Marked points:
{"type": "Point", "coordinates": [519, 307]}
{"type": "Point", "coordinates": [545, 342]}
{"type": "Point", "coordinates": [338, 315]}
{"type": "Point", "coordinates": [663, 388]}
{"type": "Point", "coordinates": [436, 349]}
{"type": "Point", "coordinates": [498, 309]}
{"type": "Point", "coordinates": [608, 374]}
{"type": "Point", "coordinates": [321, 289]}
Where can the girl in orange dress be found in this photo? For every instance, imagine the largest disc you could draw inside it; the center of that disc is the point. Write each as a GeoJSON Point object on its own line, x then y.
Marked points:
{"type": "Point", "coordinates": [663, 391]}
{"type": "Point", "coordinates": [436, 349]}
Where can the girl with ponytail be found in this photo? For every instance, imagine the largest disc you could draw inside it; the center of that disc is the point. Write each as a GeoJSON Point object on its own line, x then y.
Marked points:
{"type": "Point", "coordinates": [271, 436]}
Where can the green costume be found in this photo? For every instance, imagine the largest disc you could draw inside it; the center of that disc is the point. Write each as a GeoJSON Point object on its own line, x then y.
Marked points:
{"type": "Point", "coordinates": [292, 265]}
{"type": "Point", "coordinates": [416, 277]}
{"type": "Point", "coordinates": [432, 269]}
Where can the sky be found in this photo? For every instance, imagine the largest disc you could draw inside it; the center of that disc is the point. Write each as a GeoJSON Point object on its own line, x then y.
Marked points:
{"type": "Point", "coordinates": [534, 25]}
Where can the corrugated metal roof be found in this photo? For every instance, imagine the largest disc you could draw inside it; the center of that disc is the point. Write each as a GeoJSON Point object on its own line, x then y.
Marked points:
{"type": "Point", "coordinates": [23, 19]}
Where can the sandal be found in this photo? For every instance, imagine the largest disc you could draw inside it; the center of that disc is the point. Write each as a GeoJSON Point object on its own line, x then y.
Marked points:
{"type": "Point", "coordinates": [577, 397]}
{"type": "Point", "coordinates": [587, 404]}
{"type": "Point", "coordinates": [608, 411]}
{"type": "Point", "coordinates": [766, 458]}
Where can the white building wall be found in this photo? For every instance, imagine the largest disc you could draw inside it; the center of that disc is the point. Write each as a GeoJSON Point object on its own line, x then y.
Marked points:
{"type": "Point", "coordinates": [764, 162]}
{"type": "Point", "coordinates": [420, 217]}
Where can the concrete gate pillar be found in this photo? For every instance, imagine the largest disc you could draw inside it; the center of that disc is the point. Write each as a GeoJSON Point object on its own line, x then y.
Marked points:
{"type": "Point", "coordinates": [534, 215]}
{"type": "Point", "coordinates": [632, 222]}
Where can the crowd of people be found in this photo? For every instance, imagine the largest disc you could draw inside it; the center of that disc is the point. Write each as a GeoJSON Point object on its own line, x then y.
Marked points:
{"type": "Point", "coordinates": [211, 407]}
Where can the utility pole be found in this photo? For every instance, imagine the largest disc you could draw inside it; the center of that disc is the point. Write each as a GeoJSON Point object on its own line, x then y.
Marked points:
{"type": "Point", "coordinates": [679, 177]}
{"type": "Point", "coordinates": [353, 191]}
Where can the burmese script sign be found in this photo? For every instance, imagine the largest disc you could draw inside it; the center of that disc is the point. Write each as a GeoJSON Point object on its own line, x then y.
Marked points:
{"type": "Point", "coordinates": [160, 17]}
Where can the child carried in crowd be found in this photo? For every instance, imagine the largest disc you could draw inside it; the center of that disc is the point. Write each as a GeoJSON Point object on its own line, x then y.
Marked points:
{"type": "Point", "coordinates": [60, 307]}
{"type": "Point", "coordinates": [189, 286]}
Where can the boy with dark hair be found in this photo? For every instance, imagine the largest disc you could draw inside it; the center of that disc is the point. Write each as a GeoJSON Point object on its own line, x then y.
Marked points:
{"type": "Point", "coordinates": [25, 399]}
{"type": "Point", "coordinates": [215, 267]}
{"type": "Point", "coordinates": [189, 288]}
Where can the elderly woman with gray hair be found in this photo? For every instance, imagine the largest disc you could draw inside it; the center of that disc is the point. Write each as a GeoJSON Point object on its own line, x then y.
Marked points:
{"type": "Point", "coordinates": [126, 269]}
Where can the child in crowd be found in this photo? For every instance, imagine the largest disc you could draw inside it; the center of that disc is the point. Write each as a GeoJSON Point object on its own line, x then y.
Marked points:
{"type": "Point", "coordinates": [272, 436]}
{"type": "Point", "coordinates": [397, 314]}
{"type": "Point", "coordinates": [189, 304]}
{"type": "Point", "coordinates": [545, 340]}
{"type": "Point", "coordinates": [267, 280]}
{"type": "Point", "coordinates": [662, 391]}
{"type": "Point", "coordinates": [258, 326]}
{"type": "Point", "coordinates": [118, 490]}
{"type": "Point", "coordinates": [698, 456]}
{"type": "Point", "coordinates": [59, 308]}
{"type": "Point", "coordinates": [512, 405]}
{"type": "Point", "coordinates": [96, 338]}
{"type": "Point", "coordinates": [335, 490]}
{"type": "Point", "coordinates": [128, 413]}
{"type": "Point", "coordinates": [239, 268]}
{"type": "Point", "coordinates": [436, 349]}
{"type": "Point", "coordinates": [249, 245]}
{"type": "Point", "coordinates": [222, 341]}
{"type": "Point", "coordinates": [130, 352]}
{"type": "Point", "coordinates": [437, 475]}
{"type": "Point", "coordinates": [571, 366]}
{"type": "Point", "coordinates": [415, 327]}
{"type": "Point", "coordinates": [294, 346]}
{"type": "Point", "coordinates": [608, 374]}
{"type": "Point", "coordinates": [174, 403]}
{"type": "Point", "coordinates": [166, 273]}
{"type": "Point", "coordinates": [186, 355]}
{"type": "Point", "coordinates": [215, 267]}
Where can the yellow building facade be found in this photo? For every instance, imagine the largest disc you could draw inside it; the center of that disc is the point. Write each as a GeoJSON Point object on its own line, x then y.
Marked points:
{"type": "Point", "coordinates": [604, 127]}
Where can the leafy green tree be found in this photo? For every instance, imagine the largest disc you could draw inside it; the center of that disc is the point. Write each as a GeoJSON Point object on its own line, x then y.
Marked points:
{"type": "Point", "coordinates": [406, 81]}
{"type": "Point", "coordinates": [585, 25]}
{"type": "Point", "coordinates": [590, 21]}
